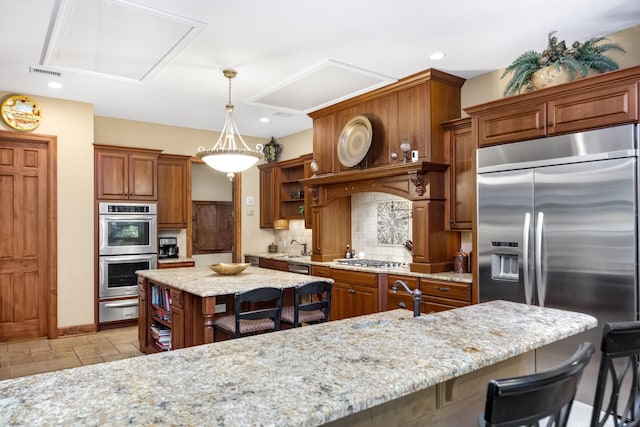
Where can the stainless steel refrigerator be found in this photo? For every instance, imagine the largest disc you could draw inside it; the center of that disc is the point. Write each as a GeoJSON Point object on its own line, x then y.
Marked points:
{"type": "Point", "coordinates": [558, 227]}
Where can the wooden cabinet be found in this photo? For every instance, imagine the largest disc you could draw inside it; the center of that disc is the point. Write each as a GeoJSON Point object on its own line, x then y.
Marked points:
{"type": "Point", "coordinates": [400, 299]}
{"type": "Point", "coordinates": [331, 230]}
{"type": "Point", "coordinates": [268, 194]}
{"type": "Point", "coordinates": [174, 191]}
{"type": "Point", "coordinates": [291, 192]}
{"type": "Point", "coordinates": [460, 177]}
{"type": "Point", "coordinates": [125, 173]}
{"type": "Point", "coordinates": [413, 106]}
{"type": "Point", "coordinates": [355, 293]}
{"type": "Point", "coordinates": [603, 100]}
{"type": "Point", "coordinates": [321, 271]}
{"type": "Point", "coordinates": [212, 229]}
{"type": "Point", "coordinates": [439, 295]}
{"type": "Point", "coordinates": [274, 264]}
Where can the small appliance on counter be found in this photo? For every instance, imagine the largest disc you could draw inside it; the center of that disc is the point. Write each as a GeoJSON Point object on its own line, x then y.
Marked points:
{"type": "Point", "coordinates": [168, 247]}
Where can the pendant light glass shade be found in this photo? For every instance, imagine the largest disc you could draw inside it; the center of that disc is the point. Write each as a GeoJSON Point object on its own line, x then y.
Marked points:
{"type": "Point", "coordinates": [230, 153]}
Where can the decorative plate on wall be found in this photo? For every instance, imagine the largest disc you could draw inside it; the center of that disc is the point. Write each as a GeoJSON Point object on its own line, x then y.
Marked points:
{"type": "Point", "coordinates": [354, 141]}
{"type": "Point", "coordinates": [21, 112]}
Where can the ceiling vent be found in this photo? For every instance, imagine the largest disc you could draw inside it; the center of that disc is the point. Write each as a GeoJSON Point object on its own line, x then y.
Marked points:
{"type": "Point", "coordinates": [116, 39]}
{"type": "Point", "coordinates": [317, 87]}
{"type": "Point", "coordinates": [39, 70]}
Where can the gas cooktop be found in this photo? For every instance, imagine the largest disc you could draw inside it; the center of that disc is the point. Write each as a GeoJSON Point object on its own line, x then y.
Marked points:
{"type": "Point", "coordinates": [370, 263]}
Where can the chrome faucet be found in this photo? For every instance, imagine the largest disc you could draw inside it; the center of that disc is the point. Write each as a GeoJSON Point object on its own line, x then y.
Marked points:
{"type": "Point", "coordinates": [416, 294]}
{"type": "Point", "coordinates": [304, 246]}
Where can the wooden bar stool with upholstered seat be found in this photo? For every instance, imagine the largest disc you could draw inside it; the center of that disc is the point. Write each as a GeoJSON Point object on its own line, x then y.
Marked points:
{"type": "Point", "coordinates": [316, 310]}
{"type": "Point", "coordinates": [250, 321]}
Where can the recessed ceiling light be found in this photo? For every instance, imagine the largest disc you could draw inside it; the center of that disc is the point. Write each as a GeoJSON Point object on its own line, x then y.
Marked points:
{"type": "Point", "coordinates": [435, 56]}
{"type": "Point", "coordinates": [264, 119]}
{"type": "Point", "coordinates": [55, 85]}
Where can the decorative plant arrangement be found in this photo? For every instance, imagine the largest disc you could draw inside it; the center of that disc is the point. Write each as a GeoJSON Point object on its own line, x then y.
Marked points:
{"type": "Point", "coordinates": [533, 70]}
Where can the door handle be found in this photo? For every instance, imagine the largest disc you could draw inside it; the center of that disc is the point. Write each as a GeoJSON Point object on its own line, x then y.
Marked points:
{"type": "Point", "coordinates": [528, 291]}
{"type": "Point", "coordinates": [541, 284]}
{"type": "Point", "coordinates": [121, 304]}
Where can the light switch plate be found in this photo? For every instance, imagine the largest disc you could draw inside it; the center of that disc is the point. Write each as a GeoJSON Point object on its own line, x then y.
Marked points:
{"type": "Point", "coordinates": [250, 201]}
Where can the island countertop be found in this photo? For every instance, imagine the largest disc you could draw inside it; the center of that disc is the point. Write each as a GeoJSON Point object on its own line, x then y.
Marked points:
{"type": "Point", "coordinates": [203, 282]}
{"type": "Point", "coordinates": [298, 377]}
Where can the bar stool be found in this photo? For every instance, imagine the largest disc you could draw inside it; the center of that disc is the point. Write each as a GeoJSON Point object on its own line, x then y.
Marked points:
{"type": "Point", "coordinates": [618, 372]}
{"type": "Point", "coordinates": [314, 311]}
{"type": "Point", "coordinates": [528, 399]}
{"type": "Point", "coordinates": [248, 321]}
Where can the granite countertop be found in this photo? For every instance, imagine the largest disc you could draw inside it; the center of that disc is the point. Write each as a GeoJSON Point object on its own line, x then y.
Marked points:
{"type": "Point", "coordinates": [447, 275]}
{"type": "Point", "coordinates": [297, 377]}
{"type": "Point", "coordinates": [203, 282]}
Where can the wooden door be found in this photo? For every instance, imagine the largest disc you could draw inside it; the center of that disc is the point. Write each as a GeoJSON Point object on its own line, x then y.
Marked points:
{"type": "Point", "coordinates": [28, 284]}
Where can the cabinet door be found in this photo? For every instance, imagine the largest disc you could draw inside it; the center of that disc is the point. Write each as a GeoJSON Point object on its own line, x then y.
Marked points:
{"type": "Point", "coordinates": [599, 107]}
{"type": "Point", "coordinates": [112, 175]}
{"type": "Point", "coordinates": [460, 177]}
{"type": "Point", "coordinates": [212, 227]}
{"type": "Point", "coordinates": [316, 230]}
{"type": "Point", "coordinates": [268, 191]}
{"type": "Point", "coordinates": [174, 195]}
{"type": "Point", "coordinates": [143, 184]}
{"type": "Point", "coordinates": [364, 300]}
{"type": "Point", "coordinates": [325, 141]}
{"type": "Point", "coordinates": [341, 300]}
{"type": "Point", "coordinates": [512, 124]}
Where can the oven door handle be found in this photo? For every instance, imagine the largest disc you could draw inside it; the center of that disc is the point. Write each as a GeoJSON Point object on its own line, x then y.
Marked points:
{"type": "Point", "coordinates": [121, 304]}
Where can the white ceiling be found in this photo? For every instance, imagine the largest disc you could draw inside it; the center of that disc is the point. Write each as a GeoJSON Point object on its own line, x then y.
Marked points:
{"type": "Point", "coordinates": [292, 56]}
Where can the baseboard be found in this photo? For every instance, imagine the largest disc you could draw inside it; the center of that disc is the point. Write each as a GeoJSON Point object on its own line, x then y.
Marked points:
{"type": "Point", "coordinates": [77, 330]}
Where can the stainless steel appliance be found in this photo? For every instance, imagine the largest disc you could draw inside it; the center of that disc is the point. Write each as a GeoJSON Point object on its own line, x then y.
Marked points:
{"type": "Point", "coordinates": [128, 228]}
{"type": "Point", "coordinates": [299, 267]}
{"type": "Point", "coordinates": [168, 247]}
{"type": "Point", "coordinates": [127, 243]}
{"type": "Point", "coordinates": [118, 276]}
{"type": "Point", "coordinates": [558, 227]}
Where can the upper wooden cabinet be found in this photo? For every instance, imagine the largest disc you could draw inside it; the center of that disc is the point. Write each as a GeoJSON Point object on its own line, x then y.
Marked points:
{"type": "Point", "coordinates": [282, 196]}
{"type": "Point", "coordinates": [413, 107]}
{"type": "Point", "coordinates": [460, 177]}
{"type": "Point", "coordinates": [593, 102]}
{"type": "Point", "coordinates": [268, 192]}
{"type": "Point", "coordinates": [125, 173]}
{"type": "Point", "coordinates": [174, 191]}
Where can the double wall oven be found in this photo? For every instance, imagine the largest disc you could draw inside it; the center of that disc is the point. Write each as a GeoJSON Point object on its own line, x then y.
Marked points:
{"type": "Point", "coordinates": [128, 242]}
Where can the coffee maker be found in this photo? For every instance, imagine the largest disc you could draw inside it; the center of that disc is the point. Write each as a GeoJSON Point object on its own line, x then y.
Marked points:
{"type": "Point", "coordinates": [168, 247]}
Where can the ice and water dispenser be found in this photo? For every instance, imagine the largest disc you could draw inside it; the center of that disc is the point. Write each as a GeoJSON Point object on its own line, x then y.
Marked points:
{"type": "Point", "coordinates": [504, 264]}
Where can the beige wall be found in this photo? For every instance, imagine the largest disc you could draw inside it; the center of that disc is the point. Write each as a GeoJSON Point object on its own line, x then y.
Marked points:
{"type": "Point", "coordinates": [76, 128]}
{"type": "Point", "coordinates": [72, 123]}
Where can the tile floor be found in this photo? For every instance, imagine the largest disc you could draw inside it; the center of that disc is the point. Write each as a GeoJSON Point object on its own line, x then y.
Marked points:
{"type": "Point", "coordinates": [21, 358]}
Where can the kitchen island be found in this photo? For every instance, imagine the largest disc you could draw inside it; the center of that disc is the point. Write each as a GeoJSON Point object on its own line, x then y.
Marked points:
{"type": "Point", "coordinates": [385, 369]}
{"type": "Point", "coordinates": [187, 300]}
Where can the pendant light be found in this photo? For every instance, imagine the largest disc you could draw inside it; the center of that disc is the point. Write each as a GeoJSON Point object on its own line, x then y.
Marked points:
{"type": "Point", "coordinates": [227, 155]}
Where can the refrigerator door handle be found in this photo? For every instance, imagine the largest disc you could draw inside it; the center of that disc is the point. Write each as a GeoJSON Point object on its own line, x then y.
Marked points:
{"type": "Point", "coordinates": [540, 281]}
{"type": "Point", "coordinates": [528, 290]}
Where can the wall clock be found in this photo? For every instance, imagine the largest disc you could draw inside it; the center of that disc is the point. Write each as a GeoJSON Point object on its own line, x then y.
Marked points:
{"type": "Point", "coordinates": [20, 112]}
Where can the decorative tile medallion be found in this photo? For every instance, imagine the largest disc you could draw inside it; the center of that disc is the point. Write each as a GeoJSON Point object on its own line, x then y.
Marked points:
{"type": "Point", "coordinates": [394, 218]}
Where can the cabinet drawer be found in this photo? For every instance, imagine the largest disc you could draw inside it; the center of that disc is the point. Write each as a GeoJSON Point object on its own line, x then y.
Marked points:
{"type": "Point", "coordinates": [355, 277]}
{"type": "Point", "coordinates": [513, 124]}
{"type": "Point", "coordinates": [434, 304]}
{"type": "Point", "coordinates": [320, 271]}
{"type": "Point", "coordinates": [274, 264]}
{"type": "Point", "coordinates": [443, 289]}
{"type": "Point", "coordinates": [176, 264]}
{"type": "Point", "coordinates": [412, 282]}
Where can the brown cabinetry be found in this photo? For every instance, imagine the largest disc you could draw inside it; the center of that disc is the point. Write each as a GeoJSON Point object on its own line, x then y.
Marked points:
{"type": "Point", "coordinates": [268, 192]}
{"type": "Point", "coordinates": [603, 100]}
{"type": "Point", "coordinates": [355, 293]}
{"type": "Point", "coordinates": [161, 314]}
{"type": "Point", "coordinates": [179, 264]}
{"type": "Point", "coordinates": [460, 177]}
{"type": "Point", "coordinates": [439, 295]}
{"type": "Point", "coordinates": [274, 264]}
{"type": "Point", "coordinates": [400, 299]}
{"type": "Point", "coordinates": [174, 191]}
{"type": "Point", "coordinates": [125, 173]}
{"type": "Point", "coordinates": [212, 227]}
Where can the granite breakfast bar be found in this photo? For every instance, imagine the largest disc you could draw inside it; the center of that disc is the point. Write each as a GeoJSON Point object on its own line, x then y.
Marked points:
{"type": "Point", "coordinates": [197, 295]}
{"type": "Point", "coordinates": [384, 369]}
